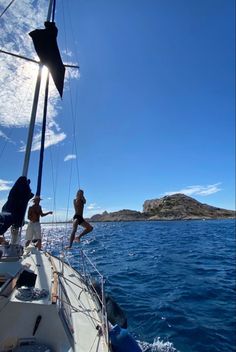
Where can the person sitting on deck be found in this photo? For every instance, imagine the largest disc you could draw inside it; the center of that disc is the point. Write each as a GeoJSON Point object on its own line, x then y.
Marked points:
{"type": "Point", "coordinates": [33, 231]}
{"type": "Point", "coordinates": [78, 219]}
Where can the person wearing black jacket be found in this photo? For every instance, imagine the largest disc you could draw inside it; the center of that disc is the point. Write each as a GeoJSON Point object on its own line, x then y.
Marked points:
{"type": "Point", "coordinates": [13, 211]}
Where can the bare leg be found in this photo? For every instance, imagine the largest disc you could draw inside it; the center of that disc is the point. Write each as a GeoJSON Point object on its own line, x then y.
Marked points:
{"type": "Point", "coordinates": [87, 228]}
{"type": "Point", "coordinates": [14, 235]}
{"type": "Point", "coordinates": [74, 229]}
{"type": "Point", "coordinates": [39, 244]}
{"type": "Point", "coordinates": [27, 243]}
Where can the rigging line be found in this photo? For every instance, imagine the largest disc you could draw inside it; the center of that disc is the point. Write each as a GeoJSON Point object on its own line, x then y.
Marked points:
{"type": "Point", "coordinates": [94, 342]}
{"type": "Point", "coordinates": [66, 279]}
{"type": "Point", "coordinates": [64, 25]}
{"type": "Point", "coordinates": [74, 146]}
{"type": "Point", "coordinates": [6, 8]}
{"type": "Point", "coordinates": [54, 185]}
{"type": "Point", "coordinates": [72, 31]}
{"type": "Point", "coordinates": [69, 190]}
{"type": "Point", "coordinates": [82, 310]}
{"type": "Point", "coordinates": [88, 312]}
{"type": "Point", "coordinates": [76, 92]}
{"type": "Point", "coordinates": [70, 177]}
{"type": "Point", "coordinates": [74, 120]}
{"type": "Point", "coordinates": [54, 180]}
{"type": "Point", "coordinates": [54, 173]}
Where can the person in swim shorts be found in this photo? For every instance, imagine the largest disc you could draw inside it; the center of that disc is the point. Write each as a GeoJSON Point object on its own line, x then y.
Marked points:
{"type": "Point", "coordinates": [33, 231]}
{"type": "Point", "coordinates": [78, 219]}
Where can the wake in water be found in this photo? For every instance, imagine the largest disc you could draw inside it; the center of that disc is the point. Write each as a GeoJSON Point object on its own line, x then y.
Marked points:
{"type": "Point", "coordinates": [157, 346]}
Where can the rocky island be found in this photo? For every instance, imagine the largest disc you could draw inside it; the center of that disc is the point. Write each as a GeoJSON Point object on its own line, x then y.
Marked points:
{"type": "Point", "coordinates": [175, 207]}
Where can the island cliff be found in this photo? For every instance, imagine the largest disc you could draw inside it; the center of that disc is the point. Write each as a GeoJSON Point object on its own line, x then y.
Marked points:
{"type": "Point", "coordinates": [175, 207]}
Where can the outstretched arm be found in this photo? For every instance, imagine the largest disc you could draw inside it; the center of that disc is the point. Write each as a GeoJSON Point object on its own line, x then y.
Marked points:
{"type": "Point", "coordinates": [45, 214]}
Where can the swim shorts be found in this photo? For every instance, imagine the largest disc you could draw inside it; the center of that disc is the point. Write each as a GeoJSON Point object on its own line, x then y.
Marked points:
{"type": "Point", "coordinates": [79, 218]}
{"type": "Point", "coordinates": [33, 231]}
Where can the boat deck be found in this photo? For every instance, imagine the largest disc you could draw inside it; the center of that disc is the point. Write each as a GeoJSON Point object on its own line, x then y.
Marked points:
{"type": "Point", "coordinates": [67, 318]}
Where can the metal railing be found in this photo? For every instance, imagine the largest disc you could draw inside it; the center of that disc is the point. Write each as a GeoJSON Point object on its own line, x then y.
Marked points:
{"type": "Point", "coordinates": [94, 281]}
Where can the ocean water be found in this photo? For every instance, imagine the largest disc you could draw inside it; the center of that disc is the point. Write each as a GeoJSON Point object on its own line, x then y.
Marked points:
{"type": "Point", "coordinates": [175, 280]}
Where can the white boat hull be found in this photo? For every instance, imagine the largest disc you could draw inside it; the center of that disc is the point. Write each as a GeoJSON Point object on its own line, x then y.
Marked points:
{"type": "Point", "coordinates": [68, 318]}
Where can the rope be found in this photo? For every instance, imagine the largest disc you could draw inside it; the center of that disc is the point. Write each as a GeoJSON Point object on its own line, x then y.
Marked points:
{"type": "Point", "coordinates": [86, 311]}
{"type": "Point", "coordinates": [74, 141]}
{"type": "Point", "coordinates": [73, 114]}
{"type": "Point", "coordinates": [81, 307]}
{"type": "Point", "coordinates": [93, 343]}
{"type": "Point", "coordinates": [82, 310]}
{"type": "Point", "coordinates": [7, 8]}
{"type": "Point", "coordinates": [54, 181]}
{"type": "Point", "coordinates": [69, 190]}
{"type": "Point", "coordinates": [31, 294]}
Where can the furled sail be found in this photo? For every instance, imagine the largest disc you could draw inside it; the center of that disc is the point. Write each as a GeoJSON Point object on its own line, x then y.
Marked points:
{"type": "Point", "coordinates": [45, 43]}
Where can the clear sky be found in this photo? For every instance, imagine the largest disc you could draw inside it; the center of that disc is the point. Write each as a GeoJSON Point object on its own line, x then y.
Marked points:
{"type": "Point", "coordinates": [151, 112]}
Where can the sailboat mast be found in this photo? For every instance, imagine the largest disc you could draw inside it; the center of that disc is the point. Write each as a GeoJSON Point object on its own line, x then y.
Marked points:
{"type": "Point", "coordinates": [51, 13]}
{"type": "Point", "coordinates": [40, 169]}
{"type": "Point", "coordinates": [32, 122]}
{"type": "Point", "coordinates": [51, 10]}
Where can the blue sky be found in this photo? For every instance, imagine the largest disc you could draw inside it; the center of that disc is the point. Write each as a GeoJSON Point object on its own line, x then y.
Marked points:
{"type": "Point", "coordinates": [151, 112]}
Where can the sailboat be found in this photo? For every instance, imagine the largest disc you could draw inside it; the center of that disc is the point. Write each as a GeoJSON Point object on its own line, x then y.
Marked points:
{"type": "Point", "coordinates": [45, 304]}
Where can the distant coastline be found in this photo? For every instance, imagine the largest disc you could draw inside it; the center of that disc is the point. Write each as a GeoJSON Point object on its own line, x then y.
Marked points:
{"type": "Point", "coordinates": [168, 208]}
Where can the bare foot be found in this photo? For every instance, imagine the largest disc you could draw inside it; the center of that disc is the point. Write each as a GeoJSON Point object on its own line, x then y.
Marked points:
{"type": "Point", "coordinates": [67, 247]}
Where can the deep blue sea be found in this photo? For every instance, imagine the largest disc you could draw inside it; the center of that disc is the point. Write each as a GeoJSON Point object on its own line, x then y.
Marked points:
{"type": "Point", "coordinates": [175, 280]}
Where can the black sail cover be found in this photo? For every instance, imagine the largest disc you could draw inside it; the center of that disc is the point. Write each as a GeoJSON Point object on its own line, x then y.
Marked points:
{"type": "Point", "coordinates": [45, 44]}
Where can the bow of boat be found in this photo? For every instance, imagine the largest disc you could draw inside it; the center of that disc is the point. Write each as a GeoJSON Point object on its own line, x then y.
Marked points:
{"type": "Point", "coordinates": [44, 301]}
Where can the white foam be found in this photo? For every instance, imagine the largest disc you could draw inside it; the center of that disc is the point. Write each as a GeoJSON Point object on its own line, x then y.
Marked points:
{"type": "Point", "coordinates": [157, 346]}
